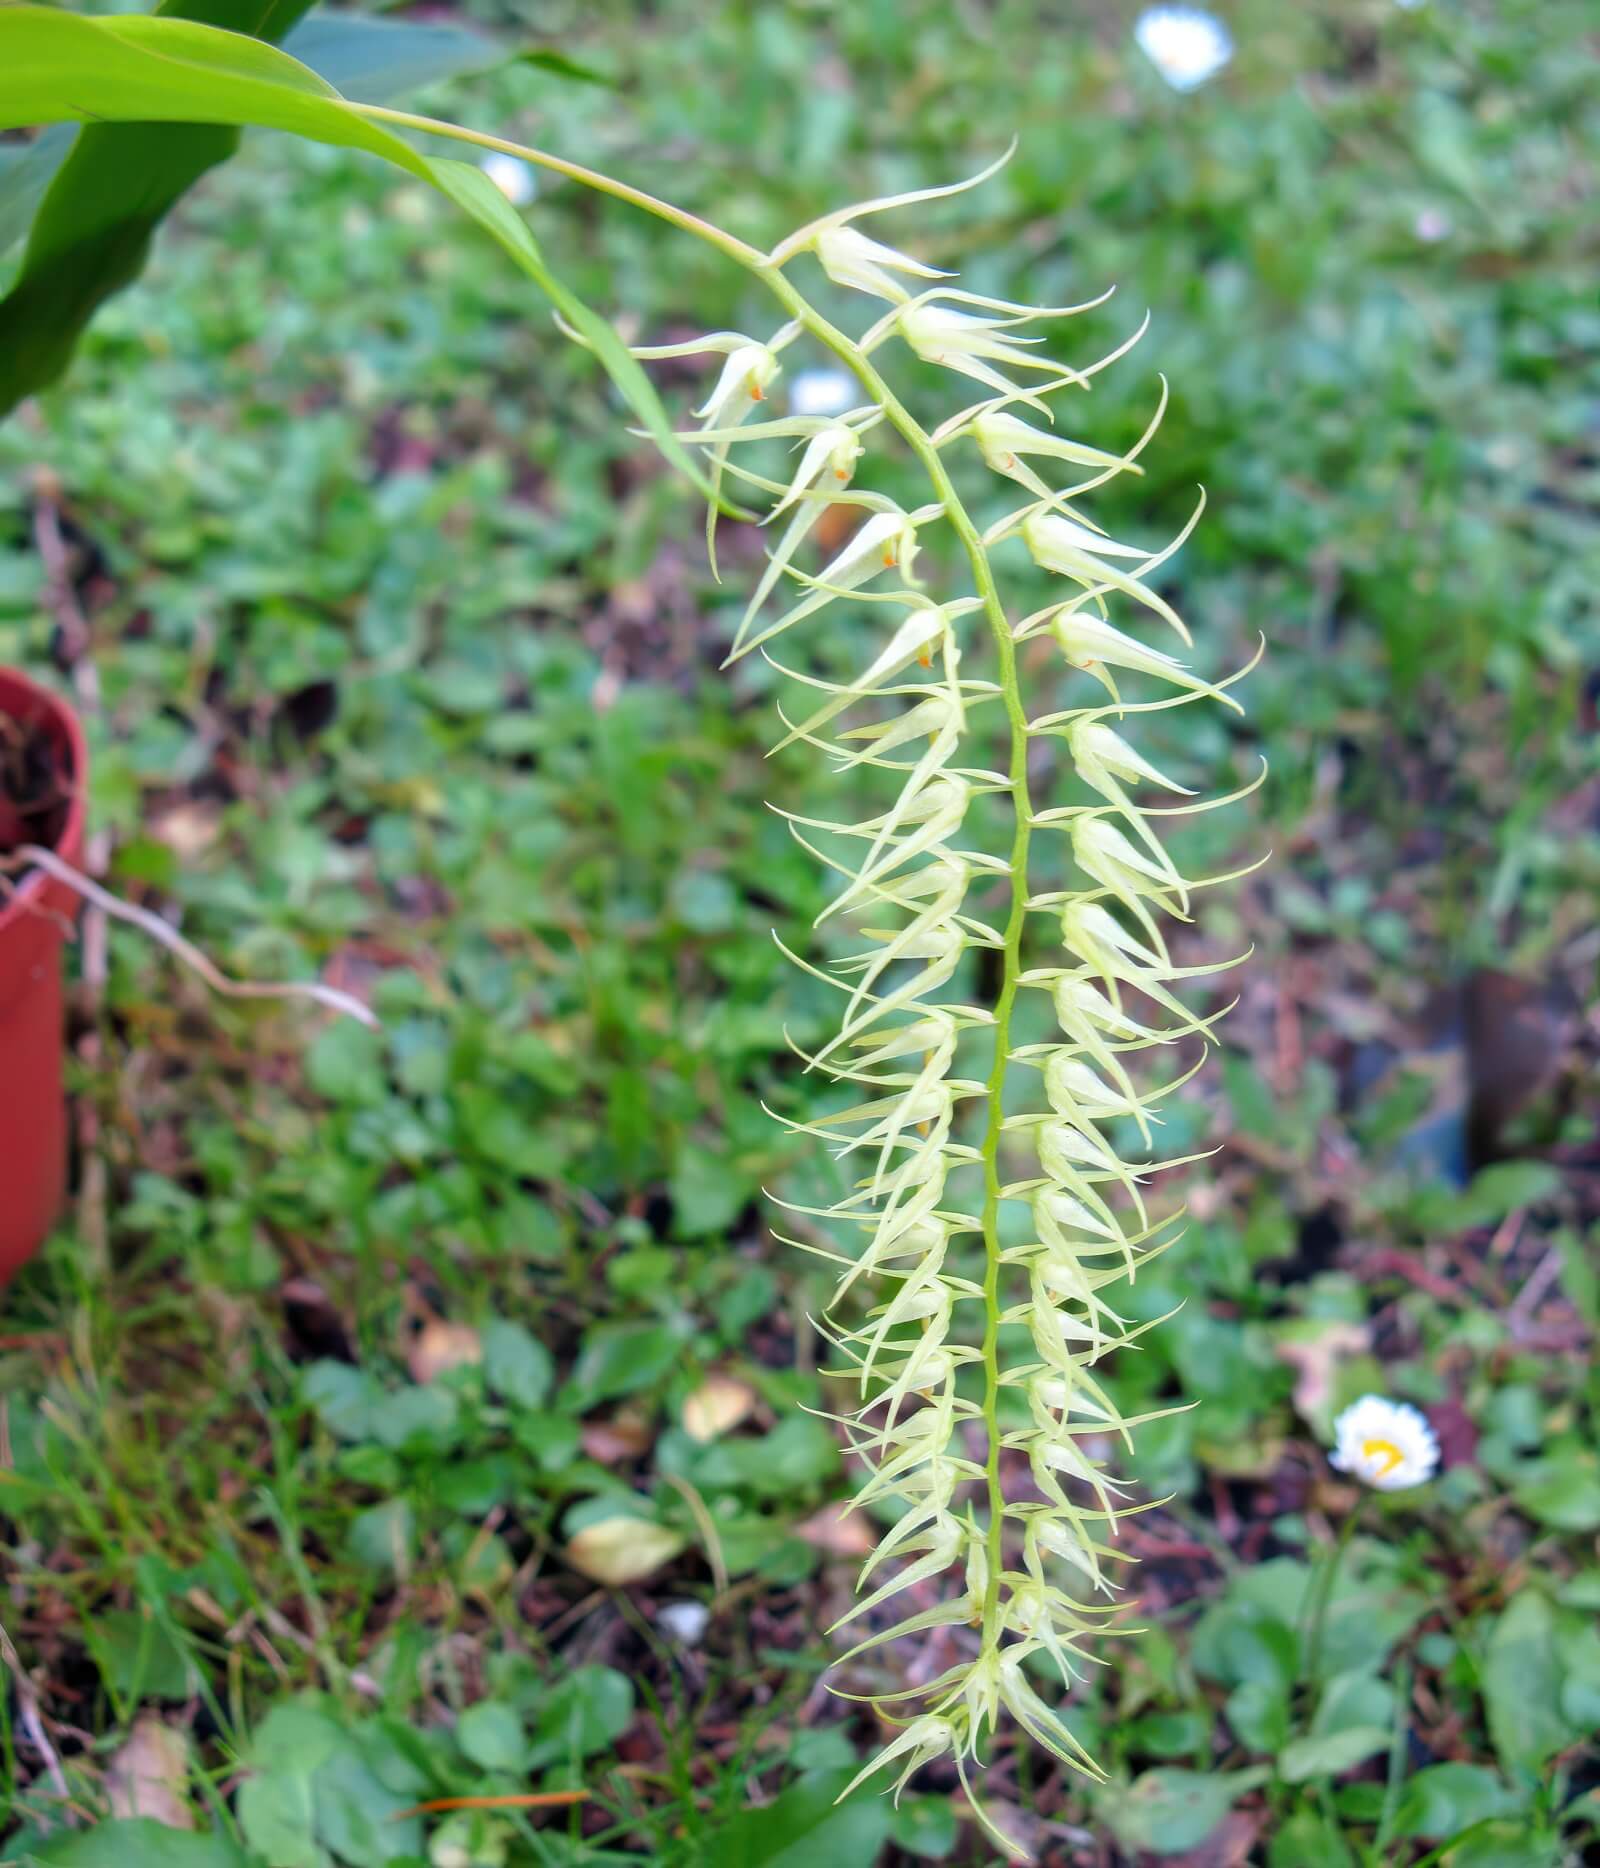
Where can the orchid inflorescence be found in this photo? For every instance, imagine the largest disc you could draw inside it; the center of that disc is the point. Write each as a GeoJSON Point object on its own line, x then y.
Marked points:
{"type": "Point", "coordinates": [937, 1422]}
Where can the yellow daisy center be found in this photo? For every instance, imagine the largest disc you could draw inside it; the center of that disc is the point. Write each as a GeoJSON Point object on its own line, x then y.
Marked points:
{"type": "Point", "coordinates": [1385, 1454]}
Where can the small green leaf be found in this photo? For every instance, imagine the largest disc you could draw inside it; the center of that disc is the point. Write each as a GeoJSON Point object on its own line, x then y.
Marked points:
{"type": "Point", "coordinates": [418, 1420]}
{"type": "Point", "coordinates": [1326, 1754]}
{"type": "Point", "coordinates": [295, 1738]}
{"type": "Point", "coordinates": [925, 1827]}
{"type": "Point", "coordinates": [1443, 1799]}
{"type": "Point", "coordinates": [277, 1816]}
{"type": "Point", "coordinates": [137, 1843]}
{"type": "Point", "coordinates": [490, 1735]}
{"type": "Point", "coordinates": [383, 1537]}
{"type": "Point", "coordinates": [1561, 1490]}
{"type": "Point", "coordinates": [1499, 1190]}
{"type": "Point", "coordinates": [1353, 1699]}
{"type": "Point", "coordinates": [1168, 1811]}
{"type": "Point", "coordinates": [1580, 1691]}
{"type": "Point", "coordinates": [708, 1195]}
{"type": "Point", "coordinates": [1235, 1642]}
{"type": "Point", "coordinates": [552, 1439]}
{"type": "Point", "coordinates": [1522, 1684]}
{"type": "Point", "coordinates": [1258, 1711]}
{"type": "Point", "coordinates": [705, 901]}
{"type": "Point", "coordinates": [498, 1132]}
{"type": "Point", "coordinates": [358, 1796]}
{"type": "Point", "coordinates": [822, 1748]}
{"type": "Point", "coordinates": [581, 1715]}
{"type": "Point", "coordinates": [516, 1365]}
{"type": "Point", "coordinates": [347, 1400]}
{"type": "Point", "coordinates": [620, 1359]}
{"type": "Point", "coordinates": [1167, 1734]}
{"type": "Point", "coordinates": [139, 1658]}
{"type": "Point", "coordinates": [1307, 1840]}
{"type": "Point", "coordinates": [345, 1063]}
{"type": "Point", "coordinates": [806, 1828]}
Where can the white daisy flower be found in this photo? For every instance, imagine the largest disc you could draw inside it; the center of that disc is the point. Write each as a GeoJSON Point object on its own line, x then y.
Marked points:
{"type": "Point", "coordinates": [1184, 43]}
{"type": "Point", "coordinates": [514, 179]}
{"type": "Point", "coordinates": [1385, 1444]}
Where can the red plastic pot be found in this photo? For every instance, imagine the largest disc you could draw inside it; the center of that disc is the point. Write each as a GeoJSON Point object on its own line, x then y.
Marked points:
{"type": "Point", "coordinates": [34, 920]}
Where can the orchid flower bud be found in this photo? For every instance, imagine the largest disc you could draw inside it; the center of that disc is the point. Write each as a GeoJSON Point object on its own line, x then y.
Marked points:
{"type": "Point", "coordinates": [1005, 441]}
{"type": "Point", "coordinates": [834, 450]}
{"type": "Point", "coordinates": [970, 345]}
{"type": "Point", "coordinates": [866, 265]}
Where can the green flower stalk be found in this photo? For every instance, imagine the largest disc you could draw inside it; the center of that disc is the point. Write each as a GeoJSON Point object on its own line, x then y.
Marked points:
{"type": "Point", "coordinates": [1000, 1502]}
{"type": "Point", "coordinates": [1020, 1519]}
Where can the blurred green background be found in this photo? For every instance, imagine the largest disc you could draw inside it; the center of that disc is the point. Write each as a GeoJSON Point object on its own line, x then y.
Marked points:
{"type": "Point", "coordinates": [401, 660]}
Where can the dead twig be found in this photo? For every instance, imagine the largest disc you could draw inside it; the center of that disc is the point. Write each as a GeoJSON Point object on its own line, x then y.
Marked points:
{"type": "Point", "coordinates": [32, 855]}
{"type": "Point", "coordinates": [29, 1719]}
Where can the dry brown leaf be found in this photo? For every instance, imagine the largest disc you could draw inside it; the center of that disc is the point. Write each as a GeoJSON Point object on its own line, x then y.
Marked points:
{"type": "Point", "coordinates": [830, 1530]}
{"type": "Point", "coordinates": [625, 1436]}
{"type": "Point", "coordinates": [1228, 1846]}
{"type": "Point", "coordinates": [189, 828]}
{"type": "Point", "coordinates": [148, 1772]}
{"type": "Point", "coordinates": [623, 1550]}
{"type": "Point", "coordinates": [440, 1345]}
{"type": "Point", "coordinates": [1315, 1359]}
{"type": "Point", "coordinates": [717, 1405]}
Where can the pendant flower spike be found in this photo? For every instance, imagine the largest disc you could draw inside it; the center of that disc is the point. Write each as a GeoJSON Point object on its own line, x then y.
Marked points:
{"type": "Point", "coordinates": [991, 1457]}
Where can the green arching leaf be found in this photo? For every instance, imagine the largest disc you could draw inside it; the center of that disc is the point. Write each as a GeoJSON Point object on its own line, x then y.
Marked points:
{"type": "Point", "coordinates": [475, 194]}
{"type": "Point", "coordinates": [163, 99]}
{"type": "Point", "coordinates": [26, 171]}
{"type": "Point", "coordinates": [65, 68]}
{"type": "Point", "coordinates": [60, 67]}
{"type": "Point", "coordinates": [95, 217]}
{"type": "Point", "coordinates": [376, 60]}
{"type": "Point", "coordinates": [373, 60]}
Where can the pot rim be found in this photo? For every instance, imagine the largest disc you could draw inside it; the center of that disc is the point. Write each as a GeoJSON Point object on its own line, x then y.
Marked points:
{"type": "Point", "coordinates": [18, 693]}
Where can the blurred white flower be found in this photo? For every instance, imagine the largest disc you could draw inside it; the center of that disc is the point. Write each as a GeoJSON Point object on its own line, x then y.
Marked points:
{"type": "Point", "coordinates": [683, 1622]}
{"type": "Point", "coordinates": [514, 179]}
{"type": "Point", "coordinates": [1184, 43]}
{"type": "Point", "coordinates": [1432, 226]}
{"type": "Point", "coordinates": [1385, 1444]}
{"type": "Point", "coordinates": [823, 392]}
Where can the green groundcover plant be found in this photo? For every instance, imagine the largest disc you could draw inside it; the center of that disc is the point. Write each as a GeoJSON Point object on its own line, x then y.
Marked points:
{"type": "Point", "coordinates": [987, 1462]}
